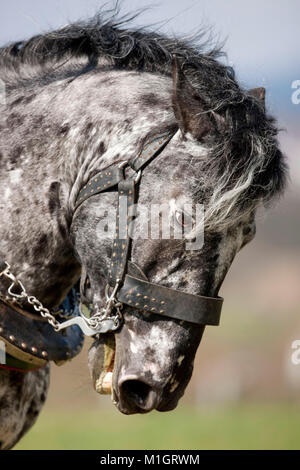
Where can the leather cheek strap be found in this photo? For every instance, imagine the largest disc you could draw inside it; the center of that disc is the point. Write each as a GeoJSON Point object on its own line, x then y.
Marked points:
{"type": "Point", "coordinates": [171, 303]}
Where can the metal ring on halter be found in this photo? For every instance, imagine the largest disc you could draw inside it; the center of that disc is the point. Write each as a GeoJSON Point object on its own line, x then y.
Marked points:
{"type": "Point", "coordinates": [15, 282]}
{"type": "Point", "coordinates": [14, 294]}
{"type": "Point", "coordinates": [115, 289]}
{"type": "Point", "coordinates": [5, 271]}
{"type": "Point", "coordinates": [123, 164]}
{"type": "Point", "coordinates": [138, 177]}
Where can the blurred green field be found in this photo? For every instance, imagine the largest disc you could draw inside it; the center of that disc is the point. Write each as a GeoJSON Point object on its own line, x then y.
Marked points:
{"type": "Point", "coordinates": [249, 426]}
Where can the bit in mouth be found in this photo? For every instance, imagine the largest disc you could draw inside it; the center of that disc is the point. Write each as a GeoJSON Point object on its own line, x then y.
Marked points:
{"type": "Point", "coordinates": [103, 382]}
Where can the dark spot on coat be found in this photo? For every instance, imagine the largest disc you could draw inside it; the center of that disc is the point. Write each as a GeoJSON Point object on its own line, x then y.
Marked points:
{"type": "Point", "coordinates": [23, 100]}
{"type": "Point", "coordinates": [15, 154]}
{"type": "Point", "coordinates": [36, 123]}
{"type": "Point", "coordinates": [108, 80]}
{"type": "Point", "coordinates": [182, 284]}
{"type": "Point", "coordinates": [16, 380]}
{"type": "Point", "coordinates": [43, 240]}
{"type": "Point", "coordinates": [14, 120]}
{"type": "Point", "coordinates": [101, 148]}
{"type": "Point", "coordinates": [54, 202]}
{"type": "Point", "coordinates": [41, 244]}
{"type": "Point", "coordinates": [88, 129]}
{"type": "Point", "coordinates": [29, 98]}
{"type": "Point", "coordinates": [4, 403]}
{"type": "Point", "coordinates": [25, 253]}
{"type": "Point", "coordinates": [150, 99]}
{"type": "Point", "coordinates": [216, 257]}
{"type": "Point", "coordinates": [32, 413]}
{"type": "Point", "coordinates": [19, 100]}
{"type": "Point", "coordinates": [247, 230]}
{"type": "Point", "coordinates": [64, 129]}
{"type": "Point", "coordinates": [62, 230]}
{"type": "Point", "coordinates": [127, 125]}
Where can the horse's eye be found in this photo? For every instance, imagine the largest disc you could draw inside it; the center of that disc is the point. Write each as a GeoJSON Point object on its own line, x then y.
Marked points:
{"type": "Point", "coordinates": [184, 219]}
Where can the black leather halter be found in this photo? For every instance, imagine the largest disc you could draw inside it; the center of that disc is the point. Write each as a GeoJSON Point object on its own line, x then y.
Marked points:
{"type": "Point", "coordinates": [136, 291]}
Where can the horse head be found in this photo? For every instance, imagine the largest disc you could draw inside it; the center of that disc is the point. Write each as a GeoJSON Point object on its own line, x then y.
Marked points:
{"type": "Point", "coordinates": [224, 159]}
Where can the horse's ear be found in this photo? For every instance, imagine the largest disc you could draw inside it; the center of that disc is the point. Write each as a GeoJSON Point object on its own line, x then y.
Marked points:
{"type": "Point", "coordinates": [189, 108]}
{"type": "Point", "coordinates": [259, 94]}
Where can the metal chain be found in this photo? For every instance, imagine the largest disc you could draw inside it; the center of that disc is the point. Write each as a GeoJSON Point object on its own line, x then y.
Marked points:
{"type": "Point", "coordinates": [37, 305]}
{"type": "Point", "coordinates": [94, 322]}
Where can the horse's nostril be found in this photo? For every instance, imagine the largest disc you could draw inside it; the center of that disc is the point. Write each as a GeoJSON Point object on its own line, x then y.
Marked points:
{"type": "Point", "coordinates": [137, 390]}
{"type": "Point", "coordinates": [138, 394]}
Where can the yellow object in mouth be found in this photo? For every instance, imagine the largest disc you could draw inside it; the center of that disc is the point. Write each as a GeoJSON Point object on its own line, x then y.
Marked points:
{"type": "Point", "coordinates": [103, 384]}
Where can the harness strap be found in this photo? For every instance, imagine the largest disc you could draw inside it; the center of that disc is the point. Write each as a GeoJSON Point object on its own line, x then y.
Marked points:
{"type": "Point", "coordinates": [154, 298]}
{"type": "Point", "coordinates": [100, 182]}
{"type": "Point", "coordinates": [109, 178]}
{"type": "Point", "coordinates": [150, 150]}
{"type": "Point", "coordinates": [12, 363]}
{"type": "Point", "coordinates": [121, 243]}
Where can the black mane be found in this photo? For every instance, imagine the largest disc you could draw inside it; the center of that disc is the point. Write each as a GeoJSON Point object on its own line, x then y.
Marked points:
{"type": "Point", "coordinates": [98, 37]}
{"type": "Point", "coordinates": [124, 48]}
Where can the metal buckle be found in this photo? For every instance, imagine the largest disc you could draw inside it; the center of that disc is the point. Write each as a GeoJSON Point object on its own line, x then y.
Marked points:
{"type": "Point", "coordinates": [123, 164]}
{"type": "Point", "coordinates": [139, 173]}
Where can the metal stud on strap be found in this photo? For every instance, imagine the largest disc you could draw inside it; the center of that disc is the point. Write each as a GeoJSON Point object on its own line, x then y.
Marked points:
{"type": "Point", "coordinates": [150, 150]}
{"type": "Point", "coordinates": [99, 183]}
